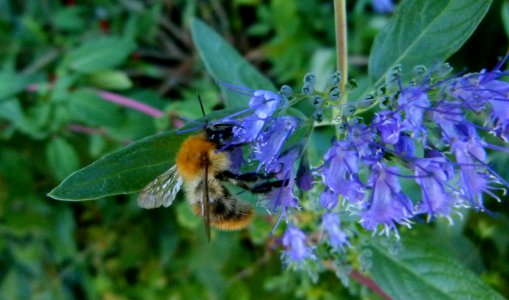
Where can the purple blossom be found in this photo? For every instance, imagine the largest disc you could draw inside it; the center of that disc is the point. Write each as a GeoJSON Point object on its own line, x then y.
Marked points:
{"type": "Point", "coordinates": [413, 101]}
{"type": "Point", "coordinates": [383, 6]}
{"type": "Point", "coordinates": [265, 103]}
{"type": "Point", "coordinates": [328, 199]}
{"type": "Point", "coordinates": [448, 115]}
{"type": "Point", "coordinates": [360, 138]}
{"type": "Point", "coordinates": [296, 250]}
{"type": "Point", "coordinates": [261, 107]}
{"type": "Point", "coordinates": [305, 179]}
{"type": "Point", "coordinates": [476, 90]}
{"type": "Point", "coordinates": [331, 225]}
{"type": "Point", "coordinates": [270, 142]}
{"type": "Point", "coordinates": [405, 147]}
{"type": "Point", "coordinates": [470, 155]}
{"type": "Point", "coordinates": [469, 90]}
{"type": "Point", "coordinates": [432, 174]}
{"type": "Point", "coordinates": [388, 125]}
{"type": "Point", "coordinates": [499, 117]}
{"type": "Point", "coordinates": [388, 205]}
{"type": "Point", "coordinates": [428, 118]}
{"type": "Point", "coordinates": [283, 166]}
{"type": "Point", "coordinates": [248, 129]}
{"type": "Point", "coordinates": [340, 172]}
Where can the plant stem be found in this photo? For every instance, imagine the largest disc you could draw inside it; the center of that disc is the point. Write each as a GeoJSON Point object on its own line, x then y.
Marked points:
{"type": "Point", "coordinates": [342, 56]}
{"type": "Point", "coordinates": [131, 103]}
{"type": "Point", "coordinates": [341, 44]}
{"type": "Point", "coordinates": [370, 284]}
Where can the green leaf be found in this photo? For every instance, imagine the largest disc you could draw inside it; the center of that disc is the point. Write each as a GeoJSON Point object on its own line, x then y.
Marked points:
{"type": "Point", "coordinates": [11, 110]}
{"type": "Point", "coordinates": [87, 107]}
{"type": "Point", "coordinates": [124, 171]}
{"type": "Point", "coordinates": [62, 158]}
{"type": "Point", "coordinates": [11, 84]}
{"type": "Point", "coordinates": [110, 79]}
{"type": "Point", "coordinates": [424, 32]}
{"type": "Point", "coordinates": [505, 17]}
{"type": "Point", "coordinates": [422, 269]}
{"type": "Point", "coordinates": [101, 54]}
{"type": "Point", "coordinates": [69, 19]}
{"type": "Point", "coordinates": [225, 64]}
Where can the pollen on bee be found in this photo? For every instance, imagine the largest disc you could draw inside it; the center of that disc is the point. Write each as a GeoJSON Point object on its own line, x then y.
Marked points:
{"type": "Point", "coordinates": [190, 158]}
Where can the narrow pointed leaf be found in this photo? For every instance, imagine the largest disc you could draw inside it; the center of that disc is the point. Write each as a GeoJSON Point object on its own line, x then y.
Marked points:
{"type": "Point", "coordinates": [101, 54]}
{"type": "Point", "coordinates": [225, 64]}
{"type": "Point", "coordinates": [124, 171]}
{"type": "Point", "coordinates": [424, 32]}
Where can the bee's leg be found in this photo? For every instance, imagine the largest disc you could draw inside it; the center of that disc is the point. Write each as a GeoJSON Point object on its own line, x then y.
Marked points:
{"type": "Point", "coordinates": [249, 176]}
{"type": "Point", "coordinates": [266, 187]}
{"type": "Point", "coordinates": [242, 180]}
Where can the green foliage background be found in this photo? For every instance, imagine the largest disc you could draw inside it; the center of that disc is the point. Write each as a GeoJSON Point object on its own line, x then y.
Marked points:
{"type": "Point", "coordinates": [54, 55]}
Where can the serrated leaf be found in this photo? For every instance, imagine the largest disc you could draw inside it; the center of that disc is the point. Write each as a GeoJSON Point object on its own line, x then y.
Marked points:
{"type": "Point", "coordinates": [424, 32]}
{"type": "Point", "coordinates": [62, 158]}
{"type": "Point", "coordinates": [225, 64]}
{"type": "Point", "coordinates": [101, 54]}
{"type": "Point", "coordinates": [110, 79]}
{"type": "Point", "coordinates": [423, 270]}
{"type": "Point", "coordinates": [124, 171]}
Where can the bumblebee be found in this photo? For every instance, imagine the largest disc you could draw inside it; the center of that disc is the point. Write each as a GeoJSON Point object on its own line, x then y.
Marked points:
{"type": "Point", "coordinates": [203, 166]}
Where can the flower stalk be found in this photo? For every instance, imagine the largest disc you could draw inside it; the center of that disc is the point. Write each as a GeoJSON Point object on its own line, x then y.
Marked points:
{"type": "Point", "coordinates": [341, 45]}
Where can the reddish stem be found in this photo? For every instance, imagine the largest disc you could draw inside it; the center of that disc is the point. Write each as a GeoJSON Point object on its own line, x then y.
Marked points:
{"type": "Point", "coordinates": [370, 284]}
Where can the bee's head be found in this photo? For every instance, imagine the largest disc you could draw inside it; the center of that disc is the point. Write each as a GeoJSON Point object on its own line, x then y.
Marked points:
{"type": "Point", "coordinates": [220, 133]}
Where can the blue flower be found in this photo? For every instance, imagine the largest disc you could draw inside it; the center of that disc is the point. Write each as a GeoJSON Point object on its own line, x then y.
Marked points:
{"type": "Point", "coordinates": [388, 205]}
{"type": "Point", "coordinates": [499, 116]}
{"type": "Point", "coordinates": [388, 125]}
{"type": "Point", "coordinates": [361, 139]}
{"type": "Point", "coordinates": [305, 179]}
{"type": "Point", "coordinates": [470, 155]}
{"type": "Point", "coordinates": [448, 115]}
{"type": "Point", "coordinates": [340, 173]}
{"type": "Point", "coordinates": [432, 174]}
{"type": "Point", "coordinates": [265, 103]}
{"type": "Point", "coordinates": [470, 91]}
{"type": "Point", "coordinates": [261, 107]}
{"type": "Point", "coordinates": [405, 147]}
{"type": "Point", "coordinates": [296, 250]}
{"type": "Point", "coordinates": [331, 225]}
{"type": "Point", "coordinates": [477, 89]}
{"type": "Point", "coordinates": [282, 167]}
{"type": "Point", "coordinates": [270, 142]}
{"type": "Point", "coordinates": [383, 6]}
{"type": "Point", "coordinates": [248, 129]}
{"type": "Point", "coordinates": [414, 102]}
{"type": "Point", "coordinates": [328, 199]}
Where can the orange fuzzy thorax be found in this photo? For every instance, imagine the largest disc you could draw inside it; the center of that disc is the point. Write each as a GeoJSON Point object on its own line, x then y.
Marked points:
{"type": "Point", "coordinates": [192, 156]}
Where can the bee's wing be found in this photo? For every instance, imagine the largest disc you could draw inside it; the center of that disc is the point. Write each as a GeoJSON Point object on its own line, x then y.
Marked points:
{"type": "Point", "coordinates": [162, 190]}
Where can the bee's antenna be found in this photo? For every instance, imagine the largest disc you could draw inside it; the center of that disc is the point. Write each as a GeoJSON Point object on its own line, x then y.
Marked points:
{"type": "Point", "coordinates": [202, 109]}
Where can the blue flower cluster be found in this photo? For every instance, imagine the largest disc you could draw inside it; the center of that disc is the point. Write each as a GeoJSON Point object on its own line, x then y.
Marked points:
{"type": "Point", "coordinates": [421, 134]}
